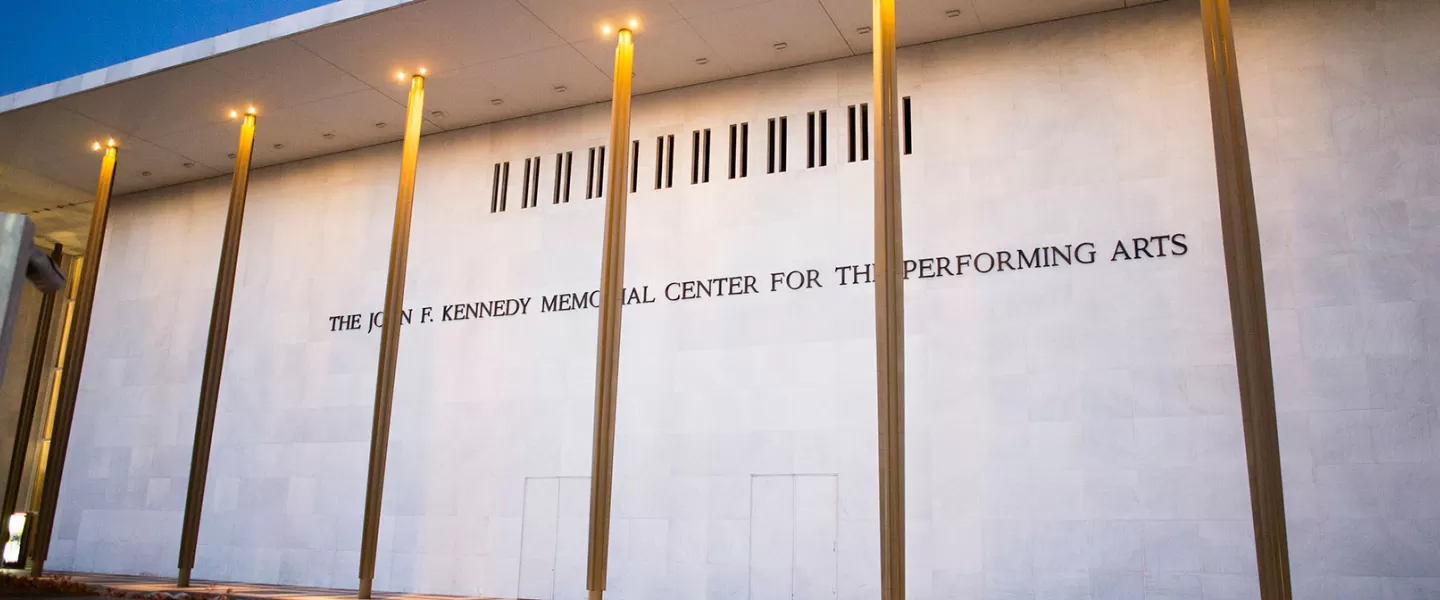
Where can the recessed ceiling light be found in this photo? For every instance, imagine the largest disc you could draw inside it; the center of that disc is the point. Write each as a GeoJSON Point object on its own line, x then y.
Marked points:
{"type": "Point", "coordinates": [952, 13]}
{"type": "Point", "coordinates": [781, 45]}
{"type": "Point", "coordinates": [380, 125]}
{"type": "Point", "coordinates": [278, 146]}
{"type": "Point", "coordinates": [863, 30]}
{"type": "Point", "coordinates": [497, 101]}
{"type": "Point", "coordinates": [187, 165]}
{"type": "Point", "coordinates": [437, 113]}
{"type": "Point", "coordinates": [702, 61]}
{"type": "Point", "coordinates": [560, 89]}
{"type": "Point", "coordinates": [144, 173]}
{"type": "Point", "coordinates": [328, 136]}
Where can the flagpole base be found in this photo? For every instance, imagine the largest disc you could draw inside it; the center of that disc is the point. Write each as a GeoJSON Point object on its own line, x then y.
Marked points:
{"type": "Point", "coordinates": [184, 579]}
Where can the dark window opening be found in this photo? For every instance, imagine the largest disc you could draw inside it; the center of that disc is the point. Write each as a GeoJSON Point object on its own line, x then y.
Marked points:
{"type": "Point", "coordinates": [590, 175]}
{"type": "Point", "coordinates": [634, 165]}
{"type": "Point", "coordinates": [535, 184]}
{"type": "Point", "coordinates": [495, 190]}
{"type": "Point", "coordinates": [851, 135]}
{"type": "Point", "coordinates": [669, 161]}
{"type": "Point", "coordinates": [705, 158]}
{"type": "Point", "coordinates": [810, 140]}
{"type": "Point", "coordinates": [732, 151]}
{"type": "Point", "coordinates": [525, 187]}
{"type": "Point", "coordinates": [559, 166]}
{"type": "Point", "coordinates": [865, 131]}
{"type": "Point", "coordinates": [744, 149]}
{"type": "Point", "coordinates": [504, 184]}
{"type": "Point", "coordinates": [569, 158]}
{"type": "Point", "coordinates": [659, 161]}
{"type": "Point", "coordinates": [695, 157]}
{"type": "Point", "coordinates": [770, 147]}
{"type": "Point", "coordinates": [905, 108]}
{"type": "Point", "coordinates": [784, 141]}
{"type": "Point", "coordinates": [823, 133]}
{"type": "Point", "coordinates": [600, 174]}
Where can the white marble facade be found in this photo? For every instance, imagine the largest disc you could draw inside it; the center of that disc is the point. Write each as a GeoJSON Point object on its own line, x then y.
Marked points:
{"type": "Point", "coordinates": [1073, 432]}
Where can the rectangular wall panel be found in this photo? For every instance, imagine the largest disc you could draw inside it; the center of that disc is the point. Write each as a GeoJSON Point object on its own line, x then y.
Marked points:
{"type": "Point", "coordinates": [539, 538]}
{"type": "Point", "coordinates": [794, 536]}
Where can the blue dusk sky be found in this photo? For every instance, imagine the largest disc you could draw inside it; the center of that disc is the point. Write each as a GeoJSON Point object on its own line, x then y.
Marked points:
{"type": "Point", "coordinates": [45, 41]}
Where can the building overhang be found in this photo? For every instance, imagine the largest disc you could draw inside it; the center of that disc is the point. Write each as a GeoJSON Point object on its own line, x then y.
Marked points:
{"type": "Point", "coordinates": [324, 80]}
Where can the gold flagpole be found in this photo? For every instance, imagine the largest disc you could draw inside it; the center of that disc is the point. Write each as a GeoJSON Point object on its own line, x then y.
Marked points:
{"type": "Point", "coordinates": [215, 348]}
{"type": "Point", "coordinates": [75, 358]}
{"type": "Point", "coordinates": [1239, 229]}
{"type": "Point", "coordinates": [390, 333]}
{"type": "Point", "coordinates": [889, 307]}
{"type": "Point", "coordinates": [607, 359]}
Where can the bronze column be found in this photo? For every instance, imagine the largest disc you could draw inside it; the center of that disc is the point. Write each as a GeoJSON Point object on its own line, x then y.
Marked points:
{"type": "Point", "coordinates": [607, 357]}
{"type": "Point", "coordinates": [889, 307]}
{"type": "Point", "coordinates": [75, 359]}
{"type": "Point", "coordinates": [34, 372]}
{"type": "Point", "coordinates": [390, 333]}
{"type": "Point", "coordinates": [215, 349]}
{"type": "Point", "coordinates": [1239, 228]}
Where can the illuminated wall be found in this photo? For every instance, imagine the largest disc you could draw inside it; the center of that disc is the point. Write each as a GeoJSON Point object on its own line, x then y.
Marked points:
{"type": "Point", "coordinates": [1073, 429]}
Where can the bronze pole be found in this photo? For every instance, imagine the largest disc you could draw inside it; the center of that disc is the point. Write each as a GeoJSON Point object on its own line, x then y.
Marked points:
{"type": "Point", "coordinates": [215, 351]}
{"type": "Point", "coordinates": [1239, 228]}
{"type": "Point", "coordinates": [34, 372]}
{"type": "Point", "coordinates": [74, 361]}
{"type": "Point", "coordinates": [607, 357]}
{"type": "Point", "coordinates": [889, 307]}
{"type": "Point", "coordinates": [390, 335]}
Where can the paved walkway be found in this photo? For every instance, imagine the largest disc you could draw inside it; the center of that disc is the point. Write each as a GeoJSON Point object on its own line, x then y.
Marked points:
{"type": "Point", "coordinates": [130, 583]}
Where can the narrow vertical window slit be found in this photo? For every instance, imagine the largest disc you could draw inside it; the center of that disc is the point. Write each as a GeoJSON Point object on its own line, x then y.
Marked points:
{"type": "Point", "coordinates": [824, 129]}
{"type": "Point", "coordinates": [559, 162]}
{"type": "Point", "coordinates": [744, 149]}
{"type": "Point", "coordinates": [535, 184]}
{"type": "Point", "coordinates": [670, 161]}
{"type": "Point", "coordinates": [525, 187]}
{"type": "Point", "coordinates": [600, 174]}
{"type": "Point", "coordinates": [732, 151]}
{"type": "Point", "coordinates": [851, 135]}
{"type": "Point", "coordinates": [504, 184]}
{"type": "Point", "coordinates": [770, 146]}
{"type": "Point", "coordinates": [865, 131]}
{"type": "Point", "coordinates": [784, 141]}
{"type": "Point", "coordinates": [659, 160]}
{"type": "Point", "coordinates": [590, 175]}
{"type": "Point", "coordinates": [695, 157]}
{"type": "Point", "coordinates": [810, 140]}
{"type": "Point", "coordinates": [905, 107]}
{"type": "Point", "coordinates": [634, 165]}
{"type": "Point", "coordinates": [569, 156]}
{"type": "Point", "coordinates": [495, 190]}
{"type": "Point", "coordinates": [705, 158]}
